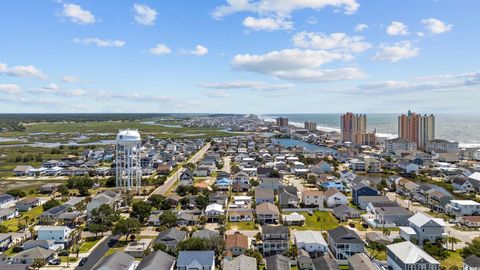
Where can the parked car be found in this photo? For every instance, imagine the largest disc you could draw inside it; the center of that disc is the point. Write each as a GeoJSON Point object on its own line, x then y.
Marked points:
{"type": "Point", "coordinates": [83, 261]}
{"type": "Point", "coordinates": [55, 261]}
{"type": "Point", "coordinates": [310, 212]}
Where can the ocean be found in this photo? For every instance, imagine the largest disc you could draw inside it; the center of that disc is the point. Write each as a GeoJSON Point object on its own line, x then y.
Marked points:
{"type": "Point", "coordinates": [462, 128]}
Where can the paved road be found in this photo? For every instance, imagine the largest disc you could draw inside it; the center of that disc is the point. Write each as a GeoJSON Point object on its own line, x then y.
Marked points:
{"type": "Point", "coordinates": [97, 253]}
{"type": "Point", "coordinates": [226, 164]}
{"type": "Point", "coordinates": [161, 190]}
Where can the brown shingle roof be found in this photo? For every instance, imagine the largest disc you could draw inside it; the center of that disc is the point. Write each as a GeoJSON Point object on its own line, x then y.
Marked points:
{"type": "Point", "coordinates": [236, 240]}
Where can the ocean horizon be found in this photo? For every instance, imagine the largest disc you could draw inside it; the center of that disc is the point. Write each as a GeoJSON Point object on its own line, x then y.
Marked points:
{"type": "Point", "coordinates": [462, 128]}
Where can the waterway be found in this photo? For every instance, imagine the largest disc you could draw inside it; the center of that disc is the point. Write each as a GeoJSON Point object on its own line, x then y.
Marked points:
{"type": "Point", "coordinates": [308, 146]}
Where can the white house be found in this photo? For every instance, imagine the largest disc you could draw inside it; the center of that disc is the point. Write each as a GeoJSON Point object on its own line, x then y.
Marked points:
{"type": "Point", "coordinates": [406, 256]}
{"type": "Point", "coordinates": [463, 208]}
{"type": "Point", "coordinates": [311, 241]}
{"type": "Point", "coordinates": [313, 198]}
{"type": "Point", "coordinates": [214, 210]}
{"type": "Point", "coordinates": [335, 198]}
{"type": "Point", "coordinates": [59, 234]}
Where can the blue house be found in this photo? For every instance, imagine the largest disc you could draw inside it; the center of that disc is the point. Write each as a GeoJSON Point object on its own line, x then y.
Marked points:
{"type": "Point", "coordinates": [362, 190]}
{"type": "Point", "coordinates": [335, 185]}
{"type": "Point", "coordinates": [223, 183]}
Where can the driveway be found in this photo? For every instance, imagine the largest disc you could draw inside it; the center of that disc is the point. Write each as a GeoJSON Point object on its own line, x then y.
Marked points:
{"type": "Point", "coordinates": [97, 254]}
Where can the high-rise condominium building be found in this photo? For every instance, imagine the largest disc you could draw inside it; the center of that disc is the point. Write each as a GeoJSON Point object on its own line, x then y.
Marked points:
{"type": "Point", "coordinates": [417, 128]}
{"type": "Point", "coordinates": [310, 126]}
{"type": "Point", "coordinates": [354, 129]}
{"type": "Point", "coordinates": [282, 122]}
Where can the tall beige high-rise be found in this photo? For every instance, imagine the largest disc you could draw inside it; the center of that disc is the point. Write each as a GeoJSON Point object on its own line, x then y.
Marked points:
{"type": "Point", "coordinates": [417, 128]}
{"type": "Point", "coordinates": [354, 129]}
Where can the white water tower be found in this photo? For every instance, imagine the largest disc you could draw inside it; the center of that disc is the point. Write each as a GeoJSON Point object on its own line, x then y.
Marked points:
{"type": "Point", "coordinates": [127, 156]}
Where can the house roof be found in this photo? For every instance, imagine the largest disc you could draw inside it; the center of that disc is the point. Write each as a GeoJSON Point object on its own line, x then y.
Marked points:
{"type": "Point", "coordinates": [236, 240]}
{"type": "Point", "coordinates": [308, 237]}
{"type": "Point", "coordinates": [267, 207]}
{"type": "Point", "coordinates": [116, 261]}
{"type": "Point", "coordinates": [278, 262]}
{"type": "Point", "coordinates": [264, 193]}
{"type": "Point", "coordinates": [35, 253]}
{"type": "Point", "coordinates": [214, 207]}
{"type": "Point", "coordinates": [205, 234]}
{"type": "Point", "coordinates": [293, 217]}
{"type": "Point", "coordinates": [274, 229]}
{"type": "Point", "coordinates": [158, 260]}
{"type": "Point", "coordinates": [204, 258]}
{"type": "Point", "coordinates": [5, 197]}
{"type": "Point", "coordinates": [420, 219]}
{"type": "Point", "coordinates": [472, 261]}
{"type": "Point", "coordinates": [343, 209]}
{"type": "Point", "coordinates": [331, 192]}
{"type": "Point", "coordinates": [241, 262]}
{"type": "Point", "coordinates": [409, 253]}
{"type": "Point", "coordinates": [325, 263]}
{"type": "Point", "coordinates": [342, 234]}
{"type": "Point", "coordinates": [171, 235]}
{"type": "Point", "coordinates": [360, 261]}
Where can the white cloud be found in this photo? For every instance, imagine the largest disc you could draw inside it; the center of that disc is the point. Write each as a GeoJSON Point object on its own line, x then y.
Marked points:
{"type": "Point", "coordinates": [396, 52]}
{"type": "Point", "coordinates": [322, 41]}
{"type": "Point", "coordinates": [360, 27]}
{"type": "Point", "coordinates": [51, 87]}
{"type": "Point", "coordinates": [144, 14]}
{"type": "Point", "coordinates": [397, 29]}
{"type": "Point", "coordinates": [281, 7]}
{"type": "Point", "coordinates": [70, 79]}
{"type": "Point", "coordinates": [77, 14]}
{"type": "Point", "coordinates": [3, 67]}
{"type": "Point", "coordinates": [267, 24]}
{"type": "Point", "coordinates": [10, 88]}
{"type": "Point", "coordinates": [253, 85]}
{"type": "Point", "coordinates": [199, 51]}
{"type": "Point", "coordinates": [217, 94]}
{"type": "Point", "coordinates": [25, 72]}
{"type": "Point", "coordinates": [435, 26]}
{"type": "Point", "coordinates": [73, 93]}
{"type": "Point", "coordinates": [100, 42]}
{"type": "Point", "coordinates": [160, 49]}
{"type": "Point", "coordinates": [298, 65]}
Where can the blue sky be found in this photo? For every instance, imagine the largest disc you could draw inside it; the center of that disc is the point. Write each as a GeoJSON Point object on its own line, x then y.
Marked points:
{"type": "Point", "coordinates": [239, 56]}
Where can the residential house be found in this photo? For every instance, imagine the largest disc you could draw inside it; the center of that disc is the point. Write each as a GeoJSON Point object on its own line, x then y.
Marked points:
{"type": "Point", "coordinates": [364, 201]}
{"type": "Point", "coordinates": [438, 200]}
{"type": "Point", "coordinates": [377, 237]}
{"type": "Point", "coordinates": [278, 262]}
{"type": "Point", "coordinates": [463, 208]}
{"type": "Point", "coordinates": [392, 216]}
{"type": "Point", "coordinates": [188, 217]}
{"type": "Point", "coordinates": [196, 260]}
{"type": "Point", "coordinates": [6, 241]}
{"type": "Point", "coordinates": [236, 244]}
{"type": "Point", "coordinates": [186, 178]}
{"type": "Point", "coordinates": [312, 242]}
{"type": "Point", "coordinates": [273, 183]}
{"type": "Point", "coordinates": [407, 256]}
{"type": "Point", "coordinates": [325, 263]}
{"type": "Point", "coordinates": [293, 219]}
{"type": "Point", "coordinates": [263, 195]}
{"type": "Point", "coordinates": [8, 213]}
{"type": "Point", "coordinates": [267, 213]}
{"type": "Point", "coordinates": [29, 256]}
{"type": "Point", "coordinates": [171, 237]}
{"type": "Point", "coordinates": [59, 234]}
{"type": "Point", "coordinates": [241, 262]}
{"type": "Point", "coordinates": [426, 228]}
{"type": "Point", "coordinates": [138, 248]}
{"type": "Point", "coordinates": [27, 204]}
{"type": "Point", "coordinates": [472, 262]}
{"type": "Point", "coordinates": [7, 201]}
{"type": "Point", "coordinates": [334, 198]}
{"type": "Point", "coordinates": [304, 261]}
{"type": "Point", "coordinates": [206, 234]}
{"type": "Point", "coordinates": [53, 213]}
{"type": "Point", "coordinates": [463, 184]}
{"type": "Point", "coordinates": [49, 188]}
{"type": "Point", "coordinates": [108, 197]}
{"type": "Point", "coordinates": [344, 213]}
{"type": "Point", "coordinates": [22, 170]}
{"type": "Point", "coordinates": [313, 198]}
{"type": "Point", "coordinates": [213, 211]}
{"type": "Point", "coordinates": [240, 214]}
{"type": "Point", "coordinates": [406, 187]}
{"type": "Point", "coordinates": [360, 261]}
{"type": "Point", "coordinates": [288, 197]}
{"type": "Point", "coordinates": [157, 260]}
{"type": "Point", "coordinates": [470, 221]}
{"type": "Point", "coordinates": [362, 190]}
{"type": "Point", "coordinates": [344, 242]}
{"type": "Point", "coordinates": [218, 198]}
{"type": "Point", "coordinates": [275, 239]}
{"type": "Point", "coordinates": [223, 184]}
{"type": "Point", "coordinates": [116, 261]}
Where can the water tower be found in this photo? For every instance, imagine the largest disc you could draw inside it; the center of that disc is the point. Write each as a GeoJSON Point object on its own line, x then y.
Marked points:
{"type": "Point", "coordinates": [127, 158]}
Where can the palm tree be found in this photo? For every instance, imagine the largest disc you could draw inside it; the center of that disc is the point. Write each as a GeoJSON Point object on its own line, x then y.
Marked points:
{"type": "Point", "coordinates": [452, 240]}
{"type": "Point", "coordinates": [27, 218]}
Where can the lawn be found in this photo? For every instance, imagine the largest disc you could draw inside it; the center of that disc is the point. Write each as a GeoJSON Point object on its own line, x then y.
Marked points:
{"type": "Point", "coordinates": [89, 243]}
{"type": "Point", "coordinates": [241, 226]}
{"type": "Point", "coordinates": [72, 258]}
{"type": "Point", "coordinates": [318, 221]}
{"type": "Point", "coordinates": [12, 224]}
{"type": "Point", "coordinates": [382, 256]}
{"type": "Point", "coordinates": [454, 259]}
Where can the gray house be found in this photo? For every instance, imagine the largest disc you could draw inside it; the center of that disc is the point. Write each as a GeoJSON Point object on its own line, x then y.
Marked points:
{"type": "Point", "coordinates": [288, 196]}
{"type": "Point", "coordinates": [406, 255]}
{"type": "Point", "coordinates": [344, 242]}
{"type": "Point", "coordinates": [264, 195]}
{"type": "Point", "coordinates": [116, 261]}
{"type": "Point", "coordinates": [360, 261]}
{"type": "Point", "coordinates": [241, 262]}
{"type": "Point", "coordinates": [196, 260]}
{"type": "Point", "coordinates": [158, 260]}
{"type": "Point", "coordinates": [425, 228]}
{"type": "Point", "coordinates": [275, 239]}
{"type": "Point", "coordinates": [171, 238]}
{"type": "Point", "coordinates": [393, 215]}
{"type": "Point", "coordinates": [278, 262]}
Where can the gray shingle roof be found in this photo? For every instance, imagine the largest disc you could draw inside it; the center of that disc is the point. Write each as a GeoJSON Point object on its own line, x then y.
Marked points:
{"type": "Point", "coordinates": [204, 258]}
{"type": "Point", "coordinates": [158, 260]}
{"type": "Point", "coordinates": [278, 262]}
{"type": "Point", "coordinates": [344, 235]}
{"type": "Point", "coordinates": [116, 261]}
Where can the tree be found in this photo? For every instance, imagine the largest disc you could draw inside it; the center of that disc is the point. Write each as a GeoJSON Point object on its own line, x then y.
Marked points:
{"type": "Point", "coordinates": [255, 254]}
{"type": "Point", "coordinates": [472, 249]}
{"type": "Point", "coordinates": [375, 249]}
{"type": "Point", "coordinates": [312, 179]}
{"type": "Point", "coordinates": [3, 228]}
{"type": "Point", "coordinates": [63, 190]}
{"type": "Point", "coordinates": [436, 250]}
{"type": "Point", "coordinates": [104, 215]}
{"type": "Point", "coordinates": [141, 210]}
{"type": "Point", "coordinates": [156, 200]}
{"type": "Point", "coordinates": [292, 251]}
{"type": "Point", "coordinates": [97, 228]}
{"type": "Point", "coordinates": [127, 227]}
{"type": "Point", "coordinates": [168, 219]}
{"type": "Point", "coordinates": [201, 201]}
{"type": "Point", "coordinates": [38, 263]}
{"type": "Point", "coordinates": [190, 166]}
{"type": "Point", "coordinates": [82, 184]}
{"type": "Point", "coordinates": [111, 182]}
{"type": "Point", "coordinates": [160, 246]}
{"type": "Point", "coordinates": [452, 240]}
{"type": "Point", "coordinates": [17, 193]}
{"type": "Point", "coordinates": [194, 243]}
{"type": "Point", "coordinates": [50, 204]}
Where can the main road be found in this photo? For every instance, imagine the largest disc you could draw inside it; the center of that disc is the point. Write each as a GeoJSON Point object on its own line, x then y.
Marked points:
{"type": "Point", "coordinates": [163, 189]}
{"type": "Point", "coordinates": [97, 253]}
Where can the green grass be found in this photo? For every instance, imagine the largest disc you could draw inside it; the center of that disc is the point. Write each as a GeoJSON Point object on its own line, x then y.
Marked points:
{"type": "Point", "coordinates": [319, 220]}
{"type": "Point", "coordinates": [382, 256]}
{"type": "Point", "coordinates": [33, 214]}
{"type": "Point", "coordinates": [241, 226]}
{"type": "Point", "coordinates": [454, 259]}
{"type": "Point", "coordinates": [72, 258]}
{"type": "Point", "coordinates": [89, 243]}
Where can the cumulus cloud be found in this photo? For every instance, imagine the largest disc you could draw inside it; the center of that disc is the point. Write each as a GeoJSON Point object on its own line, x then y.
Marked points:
{"type": "Point", "coordinates": [397, 29]}
{"type": "Point", "coordinates": [396, 52]}
{"type": "Point", "coordinates": [160, 49]}
{"type": "Point", "coordinates": [217, 94]}
{"type": "Point", "coordinates": [267, 24]}
{"type": "Point", "coordinates": [70, 79]}
{"type": "Point", "coordinates": [77, 14]}
{"type": "Point", "coordinates": [298, 65]}
{"type": "Point", "coordinates": [252, 85]}
{"type": "Point", "coordinates": [321, 41]}
{"type": "Point", "coordinates": [435, 26]}
{"type": "Point", "coordinates": [25, 72]}
{"type": "Point", "coordinates": [144, 14]}
{"type": "Point", "coordinates": [100, 42]}
{"type": "Point", "coordinates": [199, 51]}
{"type": "Point", "coordinates": [52, 87]}
{"type": "Point", "coordinates": [284, 7]}
{"type": "Point", "coordinates": [9, 88]}
{"type": "Point", "coordinates": [360, 27]}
